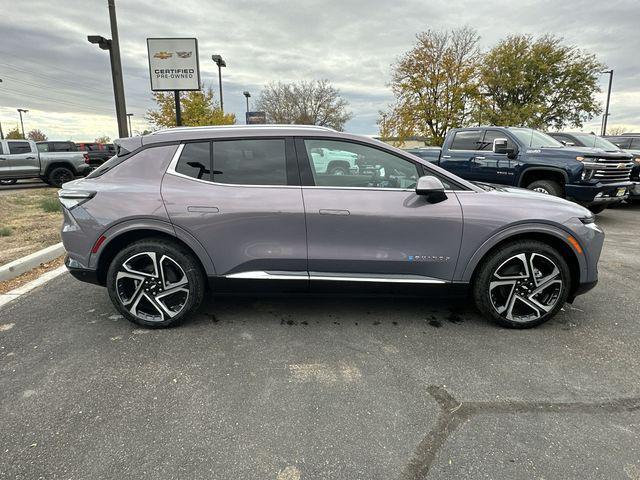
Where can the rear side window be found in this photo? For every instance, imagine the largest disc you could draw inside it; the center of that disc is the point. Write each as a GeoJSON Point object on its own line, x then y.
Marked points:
{"type": "Point", "coordinates": [250, 162]}
{"type": "Point", "coordinates": [16, 148]}
{"type": "Point", "coordinates": [64, 147]}
{"type": "Point", "coordinates": [466, 140]}
{"type": "Point", "coordinates": [195, 160]}
{"type": "Point", "coordinates": [43, 147]}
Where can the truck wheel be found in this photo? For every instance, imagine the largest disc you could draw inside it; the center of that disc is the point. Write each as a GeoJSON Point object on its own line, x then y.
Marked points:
{"type": "Point", "coordinates": [58, 176]}
{"type": "Point", "coordinates": [155, 282]}
{"type": "Point", "coordinates": [522, 284]}
{"type": "Point", "coordinates": [546, 186]}
{"type": "Point", "coordinates": [337, 169]}
{"type": "Point", "coordinates": [597, 208]}
{"type": "Point", "coordinates": [10, 181]}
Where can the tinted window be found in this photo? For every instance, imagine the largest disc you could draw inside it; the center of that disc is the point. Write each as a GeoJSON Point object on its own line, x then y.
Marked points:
{"type": "Point", "coordinates": [64, 147]}
{"type": "Point", "coordinates": [16, 148]}
{"type": "Point", "coordinates": [534, 139]}
{"type": "Point", "coordinates": [466, 140]}
{"type": "Point", "coordinates": [42, 147]}
{"type": "Point", "coordinates": [490, 136]}
{"type": "Point", "coordinates": [621, 142]}
{"type": "Point", "coordinates": [250, 162]}
{"type": "Point", "coordinates": [635, 143]}
{"type": "Point", "coordinates": [195, 160]}
{"type": "Point", "coordinates": [345, 164]}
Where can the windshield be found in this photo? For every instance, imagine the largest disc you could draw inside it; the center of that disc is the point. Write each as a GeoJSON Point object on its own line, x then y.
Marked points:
{"type": "Point", "coordinates": [534, 139]}
{"type": "Point", "coordinates": [595, 141]}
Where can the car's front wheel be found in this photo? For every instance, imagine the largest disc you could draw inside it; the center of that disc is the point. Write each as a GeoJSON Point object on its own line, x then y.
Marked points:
{"type": "Point", "coordinates": [155, 282]}
{"type": "Point", "coordinates": [522, 284]}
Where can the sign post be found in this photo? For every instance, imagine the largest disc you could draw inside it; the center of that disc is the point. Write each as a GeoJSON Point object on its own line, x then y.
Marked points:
{"type": "Point", "coordinates": [174, 66]}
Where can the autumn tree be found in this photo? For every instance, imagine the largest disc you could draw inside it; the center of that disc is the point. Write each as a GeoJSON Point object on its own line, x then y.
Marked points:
{"type": "Point", "coordinates": [539, 83]}
{"type": "Point", "coordinates": [14, 134]}
{"type": "Point", "coordinates": [304, 103]}
{"type": "Point", "coordinates": [36, 135]}
{"type": "Point", "coordinates": [198, 108]}
{"type": "Point", "coordinates": [103, 139]}
{"type": "Point", "coordinates": [617, 130]}
{"type": "Point", "coordinates": [435, 85]}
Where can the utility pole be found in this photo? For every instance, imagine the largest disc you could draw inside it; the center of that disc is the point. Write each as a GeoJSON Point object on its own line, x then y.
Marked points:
{"type": "Point", "coordinates": [113, 45]}
{"type": "Point", "coordinates": [247, 96]}
{"type": "Point", "coordinates": [1, 132]}
{"type": "Point", "coordinates": [21, 111]}
{"type": "Point", "coordinates": [606, 109]}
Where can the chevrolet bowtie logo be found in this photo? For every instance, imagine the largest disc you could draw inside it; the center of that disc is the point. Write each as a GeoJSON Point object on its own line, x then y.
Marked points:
{"type": "Point", "coordinates": [621, 165]}
{"type": "Point", "coordinates": [163, 55]}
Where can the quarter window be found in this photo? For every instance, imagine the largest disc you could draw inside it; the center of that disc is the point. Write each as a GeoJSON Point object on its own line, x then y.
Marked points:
{"type": "Point", "coordinates": [250, 162]}
{"type": "Point", "coordinates": [345, 164]}
{"type": "Point", "coordinates": [43, 147]}
{"type": "Point", "coordinates": [195, 160]}
{"type": "Point", "coordinates": [466, 140]}
{"type": "Point", "coordinates": [17, 148]}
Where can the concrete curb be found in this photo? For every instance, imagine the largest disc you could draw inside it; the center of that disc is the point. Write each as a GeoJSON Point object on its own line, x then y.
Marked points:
{"type": "Point", "coordinates": [18, 267]}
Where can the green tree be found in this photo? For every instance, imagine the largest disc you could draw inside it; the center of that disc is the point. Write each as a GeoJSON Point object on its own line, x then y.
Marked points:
{"type": "Point", "coordinates": [197, 108]}
{"type": "Point", "coordinates": [14, 134]}
{"type": "Point", "coordinates": [435, 85]}
{"type": "Point", "coordinates": [304, 103]}
{"type": "Point", "coordinates": [103, 139]}
{"type": "Point", "coordinates": [37, 135]}
{"type": "Point", "coordinates": [539, 83]}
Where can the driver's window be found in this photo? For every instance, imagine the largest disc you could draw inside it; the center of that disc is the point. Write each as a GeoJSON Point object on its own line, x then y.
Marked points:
{"type": "Point", "coordinates": [345, 164]}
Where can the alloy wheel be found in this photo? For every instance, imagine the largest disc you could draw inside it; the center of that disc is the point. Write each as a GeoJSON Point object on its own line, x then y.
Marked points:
{"type": "Point", "coordinates": [525, 287]}
{"type": "Point", "coordinates": [153, 287]}
{"type": "Point", "coordinates": [541, 190]}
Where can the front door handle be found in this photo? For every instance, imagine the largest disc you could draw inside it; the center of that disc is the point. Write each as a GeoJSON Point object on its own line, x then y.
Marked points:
{"type": "Point", "coordinates": [328, 211]}
{"type": "Point", "coordinates": [446, 156]}
{"type": "Point", "coordinates": [31, 158]}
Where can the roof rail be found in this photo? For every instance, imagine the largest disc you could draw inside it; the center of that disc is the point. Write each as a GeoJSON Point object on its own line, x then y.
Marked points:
{"type": "Point", "coordinates": [224, 127]}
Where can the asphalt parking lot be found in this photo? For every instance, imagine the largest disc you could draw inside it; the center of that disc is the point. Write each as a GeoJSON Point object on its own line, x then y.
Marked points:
{"type": "Point", "coordinates": [322, 387]}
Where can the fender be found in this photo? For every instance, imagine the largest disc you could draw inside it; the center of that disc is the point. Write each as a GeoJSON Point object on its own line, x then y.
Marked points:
{"type": "Point", "coordinates": [511, 231]}
{"type": "Point", "coordinates": [162, 226]}
{"type": "Point", "coordinates": [524, 171]}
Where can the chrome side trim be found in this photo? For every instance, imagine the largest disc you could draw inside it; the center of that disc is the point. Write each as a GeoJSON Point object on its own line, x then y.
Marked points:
{"type": "Point", "coordinates": [262, 275]}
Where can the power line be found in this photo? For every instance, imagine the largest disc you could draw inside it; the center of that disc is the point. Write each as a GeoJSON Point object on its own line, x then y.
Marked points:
{"type": "Point", "coordinates": [50, 78]}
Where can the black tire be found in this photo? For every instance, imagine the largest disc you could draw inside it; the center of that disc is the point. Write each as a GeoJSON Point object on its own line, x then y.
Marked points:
{"type": "Point", "coordinates": [8, 181]}
{"type": "Point", "coordinates": [597, 208]}
{"type": "Point", "coordinates": [489, 294]}
{"type": "Point", "coordinates": [337, 169]}
{"type": "Point", "coordinates": [633, 201]}
{"type": "Point", "coordinates": [546, 186]}
{"type": "Point", "coordinates": [135, 300]}
{"type": "Point", "coordinates": [59, 175]}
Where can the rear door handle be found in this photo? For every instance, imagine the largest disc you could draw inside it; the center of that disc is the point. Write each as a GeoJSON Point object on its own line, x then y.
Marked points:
{"type": "Point", "coordinates": [479, 158]}
{"type": "Point", "coordinates": [446, 156]}
{"type": "Point", "coordinates": [328, 211]}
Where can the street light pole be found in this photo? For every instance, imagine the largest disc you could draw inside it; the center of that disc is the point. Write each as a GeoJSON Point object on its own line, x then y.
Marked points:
{"type": "Point", "coordinates": [21, 111]}
{"type": "Point", "coordinates": [606, 109]}
{"type": "Point", "coordinates": [1, 132]}
{"type": "Point", "coordinates": [129, 115]}
{"type": "Point", "coordinates": [113, 45]}
{"type": "Point", "coordinates": [247, 95]}
{"type": "Point", "coordinates": [221, 63]}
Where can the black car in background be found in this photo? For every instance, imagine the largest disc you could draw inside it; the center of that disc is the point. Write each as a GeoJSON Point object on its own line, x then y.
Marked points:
{"type": "Point", "coordinates": [98, 152]}
{"type": "Point", "coordinates": [608, 144]}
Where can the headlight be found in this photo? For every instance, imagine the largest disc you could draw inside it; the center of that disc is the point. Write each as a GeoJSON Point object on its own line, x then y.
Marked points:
{"type": "Point", "coordinates": [580, 159]}
{"type": "Point", "coordinates": [73, 198]}
{"type": "Point", "coordinates": [636, 160]}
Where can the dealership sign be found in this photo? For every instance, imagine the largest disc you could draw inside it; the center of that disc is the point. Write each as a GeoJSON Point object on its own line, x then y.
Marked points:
{"type": "Point", "coordinates": [173, 64]}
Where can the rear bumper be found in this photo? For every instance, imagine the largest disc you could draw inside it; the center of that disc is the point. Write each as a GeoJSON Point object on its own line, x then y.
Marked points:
{"type": "Point", "coordinates": [81, 273]}
{"type": "Point", "coordinates": [598, 193]}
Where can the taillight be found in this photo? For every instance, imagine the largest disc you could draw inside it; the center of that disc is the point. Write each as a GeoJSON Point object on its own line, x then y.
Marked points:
{"type": "Point", "coordinates": [96, 246]}
{"type": "Point", "coordinates": [86, 158]}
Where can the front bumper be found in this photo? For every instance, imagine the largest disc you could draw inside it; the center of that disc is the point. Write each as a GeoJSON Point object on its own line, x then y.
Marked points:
{"type": "Point", "coordinates": [598, 193]}
{"type": "Point", "coordinates": [634, 190]}
{"type": "Point", "coordinates": [80, 272]}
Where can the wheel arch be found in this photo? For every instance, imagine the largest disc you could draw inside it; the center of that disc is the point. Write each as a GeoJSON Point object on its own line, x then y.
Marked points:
{"type": "Point", "coordinates": [118, 236]}
{"type": "Point", "coordinates": [532, 174]}
{"type": "Point", "coordinates": [555, 237]}
{"type": "Point", "coordinates": [56, 164]}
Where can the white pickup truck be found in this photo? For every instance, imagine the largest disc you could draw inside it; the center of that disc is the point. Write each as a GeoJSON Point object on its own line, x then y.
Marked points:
{"type": "Point", "coordinates": [21, 159]}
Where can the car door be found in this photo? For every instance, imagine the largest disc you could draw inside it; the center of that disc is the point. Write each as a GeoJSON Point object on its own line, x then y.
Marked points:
{"type": "Point", "coordinates": [5, 161]}
{"type": "Point", "coordinates": [491, 167]}
{"type": "Point", "coordinates": [370, 225]}
{"type": "Point", "coordinates": [461, 152]}
{"type": "Point", "coordinates": [24, 158]}
{"type": "Point", "coordinates": [242, 200]}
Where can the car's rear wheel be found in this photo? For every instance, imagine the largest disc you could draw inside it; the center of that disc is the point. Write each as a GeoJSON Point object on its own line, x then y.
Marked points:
{"type": "Point", "coordinates": [522, 284]}
{"type": "Point", "coordinates": [58, 176]}
{"type": "Point", "coordinates": [548, 187]}
{"type": "Point", "coordinates": [155, 282]}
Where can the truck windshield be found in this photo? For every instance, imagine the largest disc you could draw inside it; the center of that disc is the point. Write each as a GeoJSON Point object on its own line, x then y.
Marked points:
{"type": "Point", "coordinates": [534, 139]}
{"type": "Point", "coordinates": [595, 141]}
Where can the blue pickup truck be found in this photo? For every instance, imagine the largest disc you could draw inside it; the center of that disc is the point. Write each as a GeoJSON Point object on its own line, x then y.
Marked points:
{"type": "Point", "coordinates": [527, 158]}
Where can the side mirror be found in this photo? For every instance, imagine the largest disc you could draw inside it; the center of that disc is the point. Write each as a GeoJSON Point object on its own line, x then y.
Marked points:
{"type": "Point", "coordinates": [500, 146]}
{"type": "Point", "coordinates": [432, 188]}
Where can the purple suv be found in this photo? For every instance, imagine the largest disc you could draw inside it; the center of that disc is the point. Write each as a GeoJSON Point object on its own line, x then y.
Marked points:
{"type": "Point", "coordinates": [186, 212]}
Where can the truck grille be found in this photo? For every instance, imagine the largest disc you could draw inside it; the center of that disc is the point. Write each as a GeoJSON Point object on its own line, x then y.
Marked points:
{"type": "Point", "coordinates": [611, 169]}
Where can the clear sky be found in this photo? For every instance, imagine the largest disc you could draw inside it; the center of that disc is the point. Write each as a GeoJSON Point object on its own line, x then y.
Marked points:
{"type": "Point", "coordinates": [48, 67]}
